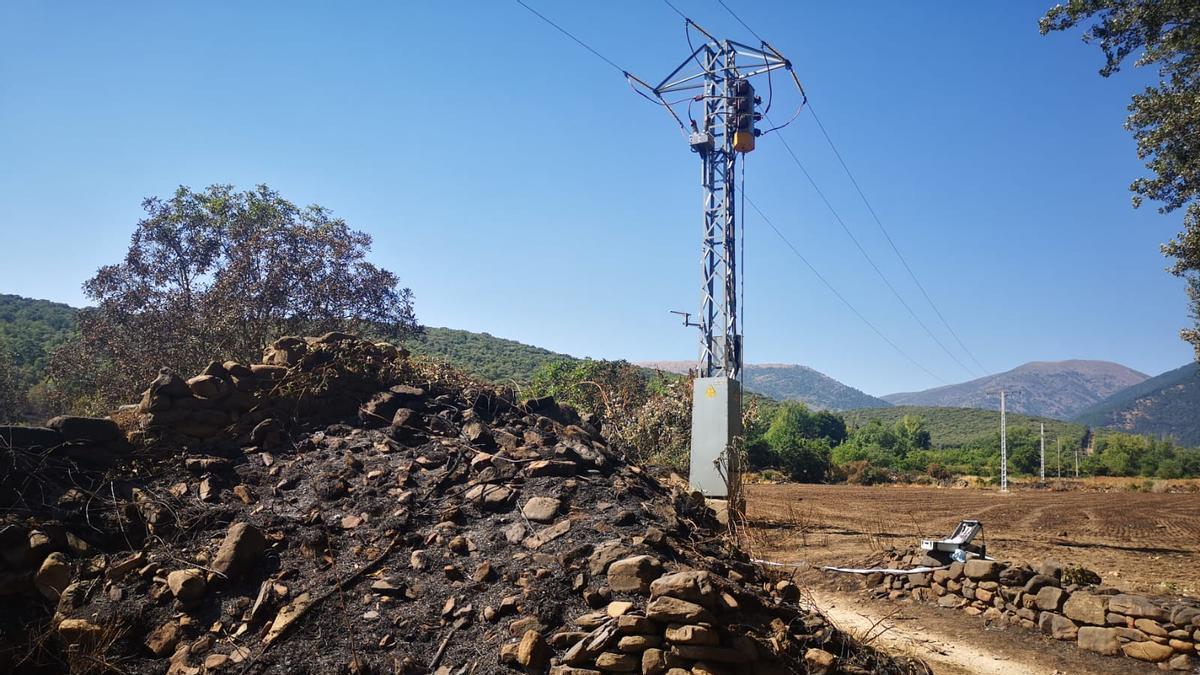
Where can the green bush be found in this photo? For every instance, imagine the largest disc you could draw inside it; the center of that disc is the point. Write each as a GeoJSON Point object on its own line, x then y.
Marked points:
{"type": "Point", "coordinates": [806, 460]}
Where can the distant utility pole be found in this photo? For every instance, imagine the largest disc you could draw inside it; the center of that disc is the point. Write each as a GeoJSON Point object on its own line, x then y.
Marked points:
{"type": "Point", "coordinates": [1042, 474]}
{"type": "Point", "coordinates": [1003, 447]}
{"type": "Point", "coordinates": [1060, 458]}
{"type": "Point", "coordinates": [1077, 461]}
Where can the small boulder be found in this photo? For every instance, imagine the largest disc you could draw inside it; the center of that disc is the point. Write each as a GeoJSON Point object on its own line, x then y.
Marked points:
{"type": "Point", "coordinates": [79, 631]}
{"type": "Point", "coordinates": [673, 610]}
{"type": "Point", "coordinates": [1136, 606]}
{"type": "Point", "coordinates": [490, 497]}
{"type": "Point", "coordinates": [1099, 640]}
{"type": "Point", "coordinates": [819, 662]}
{"type": "Point", "coordinates": [1147, 651]}
{"type": "Point", "coordinates": [53, 576]}
{"type": "Point", "coordinates": [1086, 608]}
{"type": "Point", "coordinates": [85, 429]}
{"type": "Point", "coordinates": [1051, 568]}
{"type": "Point", "coordinates": [187, 585]}
{"type": "Point", "coordinates": [541, 509]}
{"type": "Point", "coordinates": [979, 569]}
{"type": "Point", "coordinates": [242, 545]}
{"type": "Point", "coordinates": [1057, 626]}
{"type": "Point", "coordinates": [162, 640]}
{"type": "Point", "coordinates": [634, 575]}
{"type": "Point", "coordinates": [693, 586]}
{"type": "Point", "coordinates": [208, 387]}
{"type": "Point", "coordinates": [1039, 581]}
{"type": "Point", "coordinates": [1050, 599]}
{"type": "Point", "coordinates": [533, 653]}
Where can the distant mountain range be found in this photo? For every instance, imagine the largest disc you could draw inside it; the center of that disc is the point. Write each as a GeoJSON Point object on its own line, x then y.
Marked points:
{"type": "Point", "coordinates": [1167, 405]}
{"type": "Point", "coordinates": [788, 382]}
{"type": "Point", "coordinates": [1057, 389]}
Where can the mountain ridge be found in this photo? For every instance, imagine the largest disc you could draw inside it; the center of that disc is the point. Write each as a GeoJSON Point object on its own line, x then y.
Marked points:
{"type": "Point", "coordinates": [1057, 389]}
{"type": "Point", "coordinates": [1164, 405]}
{"type": "Point", "coordinates": [790, 382]}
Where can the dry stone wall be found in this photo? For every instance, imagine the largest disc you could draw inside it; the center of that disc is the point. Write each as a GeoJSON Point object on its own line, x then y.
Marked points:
{"type": "Point", "coordinates": [1066, 603]}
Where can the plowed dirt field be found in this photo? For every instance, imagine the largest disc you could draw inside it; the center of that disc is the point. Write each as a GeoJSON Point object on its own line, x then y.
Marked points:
{"type": "Point", "coordinates": [1136, 541]}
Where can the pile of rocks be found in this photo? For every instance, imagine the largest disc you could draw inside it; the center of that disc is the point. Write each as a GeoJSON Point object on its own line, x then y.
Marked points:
{"type": "Point", "coordinates": [363, 514]}
{"type": "Point", "coordinates": [323, 377]}
{"type": "Point", "coordinates": [1065, 602]}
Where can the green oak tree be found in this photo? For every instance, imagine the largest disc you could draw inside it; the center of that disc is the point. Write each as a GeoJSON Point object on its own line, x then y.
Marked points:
{"type": "Point", "coordinates": [1164, 118]}
{"type": "Point", "coordinates": [220, 274]}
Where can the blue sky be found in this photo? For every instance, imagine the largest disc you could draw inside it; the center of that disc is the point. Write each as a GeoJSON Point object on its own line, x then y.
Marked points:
{"type": "Point", "coordinates": [519, 187]}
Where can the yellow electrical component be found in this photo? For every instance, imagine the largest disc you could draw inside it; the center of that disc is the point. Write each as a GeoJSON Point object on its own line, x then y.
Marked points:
{"type": "Point", "coordinates": [743, 141]}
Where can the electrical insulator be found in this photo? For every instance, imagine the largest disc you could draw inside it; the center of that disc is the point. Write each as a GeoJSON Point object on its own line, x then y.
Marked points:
{"type": "Point", "coordinates": [742, 105]}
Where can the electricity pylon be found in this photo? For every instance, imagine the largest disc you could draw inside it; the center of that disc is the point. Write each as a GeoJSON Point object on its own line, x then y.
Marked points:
{"type": "Point", "coordinates": [726, 130]}
{"type": "Point", "coordinates": [719, 71]}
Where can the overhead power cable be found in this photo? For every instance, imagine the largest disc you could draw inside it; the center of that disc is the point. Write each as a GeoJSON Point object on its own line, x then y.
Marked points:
{"type": "Point", "coordinates": [629, 77]}
{"type": "Point", "coordinates": [895, 249]}
{"type": "Point", "coordinates": [739, 20]}
{"type": "Point", "coordinates": [871, 261]}
{"type": "Point", "coordinates": [833, 290]}
{"type": "Point", "coordinates": [581, 43]}
{"type": "Point", "coordinates": [878, 222]}
{"type": "Point", "coordinates": [633, 78]}
{"type": "Point", "coordinates": [676, 10]}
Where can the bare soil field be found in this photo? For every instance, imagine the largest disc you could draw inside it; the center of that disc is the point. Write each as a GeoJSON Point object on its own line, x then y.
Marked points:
{"type": "Point", "coordinates": [1146, 542]}
{"type": "Point", "coordinates": [1136, 541]}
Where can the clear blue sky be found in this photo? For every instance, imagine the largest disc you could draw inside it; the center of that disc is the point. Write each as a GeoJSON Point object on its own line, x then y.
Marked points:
{"type": "Point", "coordinates": [519, 187]}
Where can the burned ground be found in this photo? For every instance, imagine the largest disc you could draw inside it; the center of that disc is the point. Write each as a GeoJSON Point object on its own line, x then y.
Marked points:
{"type": "Point", "coordinates": [353, 512]}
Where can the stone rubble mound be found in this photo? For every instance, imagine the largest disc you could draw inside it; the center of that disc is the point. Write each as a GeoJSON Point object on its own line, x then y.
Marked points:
{"type": "Point", "coordinates": [1063, 601]}
{"type": "Point", "coordinates": [341, 508]}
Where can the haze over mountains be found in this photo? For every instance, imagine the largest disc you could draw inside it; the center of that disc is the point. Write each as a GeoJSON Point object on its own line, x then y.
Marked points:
{"type": "Point", "coordinates": [1058, 389]}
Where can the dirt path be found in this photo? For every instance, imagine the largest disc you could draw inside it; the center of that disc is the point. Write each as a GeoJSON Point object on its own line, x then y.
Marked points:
{"type": "Point", "coordinates": [954, 644]}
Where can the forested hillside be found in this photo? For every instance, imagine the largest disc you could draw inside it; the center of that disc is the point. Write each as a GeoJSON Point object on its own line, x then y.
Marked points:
{"type": "Point", "coordinates": [486, 356]}
{"type": "Point", "coordinates": [1167, 405]}
{"type": "Point", "coordinates": [952, 427]}
{"type": "Point", "coordinates": [30, 330]}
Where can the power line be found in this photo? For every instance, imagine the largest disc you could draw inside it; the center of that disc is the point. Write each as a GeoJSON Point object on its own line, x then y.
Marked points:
{"type": "Point", "coordinates": [833, 290]}
{"type": "Point", "coordinates": [872, 326]}
{"type": "Point", "coordinates": [739, 20]}
{"type": "Point", "coordinates": [566, 32]}
{"type": "Point", "coordinates": [892, 243]}
{"type": "Point", "coordinates": [878, 222]}
{"type": "Point", "coordinates": [676, 10]}
{"type": "Point", "coordinates": [845, 228]}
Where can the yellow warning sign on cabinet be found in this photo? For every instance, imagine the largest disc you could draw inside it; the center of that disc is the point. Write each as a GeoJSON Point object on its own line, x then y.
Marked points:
{"type": "Point", "coordinates": [710, 392]}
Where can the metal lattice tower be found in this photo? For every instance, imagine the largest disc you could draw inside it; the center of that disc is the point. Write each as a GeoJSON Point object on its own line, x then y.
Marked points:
{"type": "Point", "coordinates": [725, 131]}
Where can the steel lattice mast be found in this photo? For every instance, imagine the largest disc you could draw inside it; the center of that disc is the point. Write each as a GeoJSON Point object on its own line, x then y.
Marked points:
{"type": "Point", "coordinates": [726, 130]}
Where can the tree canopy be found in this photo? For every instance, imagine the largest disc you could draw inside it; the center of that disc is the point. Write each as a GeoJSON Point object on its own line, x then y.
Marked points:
{"type": "Point", "coordinates": [221, 273]}
{"type": "Point", "coordinates": [1165, 118]}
